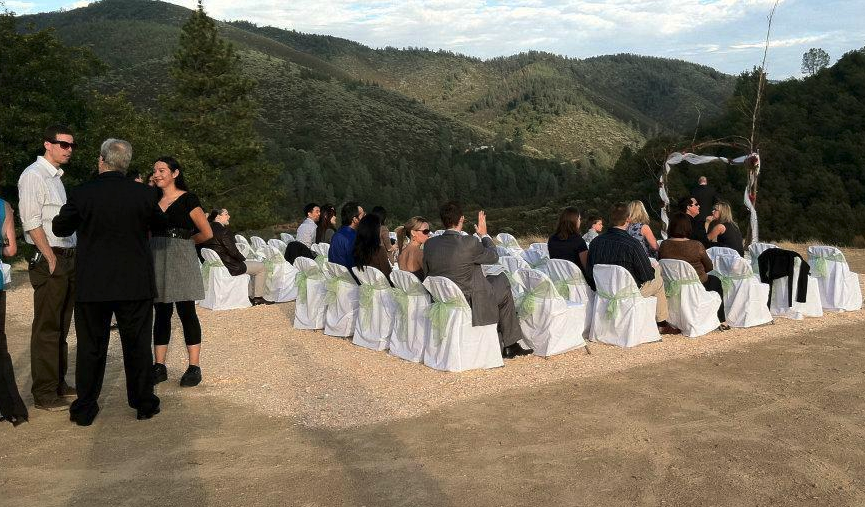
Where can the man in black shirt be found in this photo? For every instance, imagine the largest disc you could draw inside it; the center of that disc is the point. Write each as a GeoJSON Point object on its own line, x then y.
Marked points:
{"type": "Point", "coordinates": [617, 247]}
{"type": "Point", "coordinates": [691, 207]}
{"type": "Point", "coordinates": [706, 196]}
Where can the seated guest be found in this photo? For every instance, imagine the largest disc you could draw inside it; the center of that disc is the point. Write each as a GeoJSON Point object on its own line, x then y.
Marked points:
{"type": "Point", "coordinates": [596, 226]}
{"type": "Point", "coordinates": [722, 230]}
{"type": "Point", "coordinates": [690, 207]}
{"type": "Point", "coordinates": [342, 244]}
{"type": "Point", "coordinates": [368, 248]}
{"type": "Point", "coordinates": [223, 244]}
{"type": "Point", "coordinates": [326, 224]}
{"type": "Point", "coordinates": [306, 230]}
{"type": "Point", "coordinates": [417, 231]}
{"type": "Point", "coordinates": [617, 247]}
{"type": "Point", "coordinates": [566, 243]}
{"type": "Point", "coordinates": [389, 246]}
{"type": "Point", "coordinates": [639, 228]}
{"type": "Point", "coordinates": [459, 257]}
{"type": "Point", "coordinates": [680, 247]}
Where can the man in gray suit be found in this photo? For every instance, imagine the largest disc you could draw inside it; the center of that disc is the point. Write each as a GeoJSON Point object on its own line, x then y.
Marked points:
{"type": "Point", "coordinates": [459, 258]}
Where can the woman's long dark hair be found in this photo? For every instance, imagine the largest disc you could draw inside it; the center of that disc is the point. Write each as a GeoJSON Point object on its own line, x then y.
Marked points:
{"type": "Point", "coordinates": [568, 223]}
{"type": "Point", "coordinates": [327, 214]}
{"type": "Point", "coordinates": [368, 240]}
{"type": "Point", "coordinates": [174, 165]}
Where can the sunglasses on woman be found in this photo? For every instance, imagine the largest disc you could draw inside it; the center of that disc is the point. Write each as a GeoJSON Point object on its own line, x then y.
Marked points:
{"type": "Point", "coordinates": [423, 231]}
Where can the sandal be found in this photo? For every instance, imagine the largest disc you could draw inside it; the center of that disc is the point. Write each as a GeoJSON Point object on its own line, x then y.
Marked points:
{"type": "Point", "coordinates": [724, 327]}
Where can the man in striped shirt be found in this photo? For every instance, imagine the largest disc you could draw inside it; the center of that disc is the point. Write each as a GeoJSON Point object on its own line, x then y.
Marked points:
{"type": "Point", "coordinates": [617, 247]}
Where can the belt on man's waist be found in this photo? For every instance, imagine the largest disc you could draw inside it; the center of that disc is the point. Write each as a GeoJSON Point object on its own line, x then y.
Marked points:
{"type": "Point", "coordinates": [174, 232]}
{"type": "Point", "coordinates": [63, 252]}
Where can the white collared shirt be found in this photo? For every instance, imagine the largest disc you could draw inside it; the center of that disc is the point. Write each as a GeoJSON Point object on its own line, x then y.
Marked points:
{"type": "Point", "coordinates": [306, 232]}
{"type": "Point", "coordinates": [40, 197]}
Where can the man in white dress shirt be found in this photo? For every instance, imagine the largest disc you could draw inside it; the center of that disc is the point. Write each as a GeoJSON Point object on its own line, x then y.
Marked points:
{"type": "Point", "coordinates": [52, 270]}
{"type": "Point", "coordinates": [306, 231]}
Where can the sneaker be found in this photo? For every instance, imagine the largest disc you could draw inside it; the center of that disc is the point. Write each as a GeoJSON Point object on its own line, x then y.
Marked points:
{"type": "Point", "coordinates": [192, 377]}
{"type": "Point", "coordinates": [160, 373]}
{"type": "Point", "coordinates": [52, 404]}
{"type": "Point", "coordinates": [65, 391]}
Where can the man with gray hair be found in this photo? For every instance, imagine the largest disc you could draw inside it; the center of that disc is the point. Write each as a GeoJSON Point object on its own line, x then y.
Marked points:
{"type": "Point", "coordinates": [111, 216]}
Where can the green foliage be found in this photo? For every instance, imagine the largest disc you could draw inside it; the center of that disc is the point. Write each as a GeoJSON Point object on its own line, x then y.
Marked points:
{"type": "Point", "coordinates": [814, 60]}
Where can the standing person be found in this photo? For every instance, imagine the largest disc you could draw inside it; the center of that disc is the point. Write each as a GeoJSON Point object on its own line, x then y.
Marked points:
{"type": "Point", "coordinates": [417, 231]}
{"type": "Point", "coordinates": [178, 273]}
{"type": "Point", "coordinates": [326, 226]}
{"type": "Point", "coordinates": [459, 258]}
{"type": "Point", "coordinates": [342, 244]}
{"type": "Point", "coordinates": [566, 243]}
{"type": "Point", "coordinates": [222, 243]}
{"type": "Point", "coordinates": [706, 197]}
{"type": "Point", "coordinates": [306, 231]}
{"type": "Point", "coordinates": [111, 215]}
{"type": "Point", "coordinates": [596, 226]}
{"type": "Point", "coordinates": [722, 230]}
{"type": "Point", "coordinates": [12, 407]}
{"type": "Point", "coordinates": [51, 270]}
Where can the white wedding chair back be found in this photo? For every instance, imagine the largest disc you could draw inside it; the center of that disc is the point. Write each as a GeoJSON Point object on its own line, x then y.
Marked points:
{"type": "Point", "coordinates": [7, 275]}
{"type": "Point", "coordinates": [512, 263]}
{"type": "Point", "coordinates": [541, 247]}
{"type": "Point", "coordinates": [246, 251]}
{"type": "Point", "coordinates": [839, 287]}
{"type": "Point", "coordinates": [569, 281]}
{"type": "Point", "coordinates": [551, 324]}
{"type": "Point", "coordinates": [286, 237]}
{"type": "Point", "coordinates": [779, 304]}
{"type": "Point", "coordinates": [536, 259]}
{"type": "Point", "coordinates": [454, 344]}
{"type": "Point", "coordinates": [278, 244]}
{"type": "Point", "coordinates": [621, 315]}
{"type": "Point", "coordinates": [309, 311]}
{"type": "Point", "coordinates": [241, 239]}
{"type": "Point", "coordinates": [320, 248]}
{"type": "Point", "coordinates": [257, 243]}
{"type": "Point", "coordinates": [221, 290]}
{"type": "Point", "coordinates": [374, 323]}
{"type": "Point", "coordinates": [280, 283]}
{"type": "Point", "coordinates": [411, 326]}
{"type": "Point", "coordinates": [342, 300]}
{"type": "Point", "coordinates": [437, 232]}
{"type": "Point", "coordinates": [510, 242]}
{"type": "Point", "coordinates": [755, 250]}
{"type": "Point", "coordinates": [502, 251]}
{"type": "Point", "coordinates": [692, 308]}
{"type": "Point", "coordinates": [746, 300]}
{"type": "Point", "coordinates": [717, 251]}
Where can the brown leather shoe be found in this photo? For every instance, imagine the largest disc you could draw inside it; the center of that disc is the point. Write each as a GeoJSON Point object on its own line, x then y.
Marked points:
{"type": "Point", "coordinates": [52, 404]}
{"type": "Point", "coordinates": [66, 391]}
{"type": "Point", "coordinates": [669, 330]}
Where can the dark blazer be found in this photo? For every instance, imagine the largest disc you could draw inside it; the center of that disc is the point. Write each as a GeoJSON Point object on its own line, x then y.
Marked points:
{"type": "Point", "coordinates": [459, 258]}
{"type": "Point", "coordinates": [223, 244]}
{"type": "Point", "coordinates": [777, 263]}
{"type": "Point", "coordinates": [112, 216]}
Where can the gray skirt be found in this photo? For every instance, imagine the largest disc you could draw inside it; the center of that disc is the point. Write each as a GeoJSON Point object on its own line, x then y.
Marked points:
{"type": "Point", "coordinates": [178, 272]}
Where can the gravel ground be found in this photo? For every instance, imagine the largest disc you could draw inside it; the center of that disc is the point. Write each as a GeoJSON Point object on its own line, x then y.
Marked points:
{"type": "Point", "coordinates": [255, 358]}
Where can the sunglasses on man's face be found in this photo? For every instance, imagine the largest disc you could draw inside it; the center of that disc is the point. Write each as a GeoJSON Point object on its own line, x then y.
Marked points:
{"type": "Point", "coordinates": [63, 144]}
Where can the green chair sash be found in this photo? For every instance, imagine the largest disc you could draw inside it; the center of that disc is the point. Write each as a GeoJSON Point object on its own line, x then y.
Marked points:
{"type": "Point", "coordinates": [366, 292]}
{"type": "Point", "coordinates": [820, 266]}
{"type": "Point", "coordinates": [727, 280]}
{"type": "Point", "coordinates": [205, 270]}
{"type": "Point", "coordinates": [613, 300]}
{"type": "Point", "coordinates": [528, 301]}
{"type": "Point", "coordinates": [301, 280]}
{"type": "Point", "coordinates": [332, 285]}
{"type": "Point", "coordinates": [563, 285]}
{"type": "Point", "coordinates": [400, 297]}
{"type": "Point", "coordinates": [673, 288]}
{"type": "Point", "coordinates": [541, 262]}
{"type": "Point", "coordinates": [438, 314]}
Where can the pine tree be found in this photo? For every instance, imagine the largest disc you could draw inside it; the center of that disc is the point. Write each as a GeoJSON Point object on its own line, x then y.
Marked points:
{"type": "Point", "coordinates": [212, 105]}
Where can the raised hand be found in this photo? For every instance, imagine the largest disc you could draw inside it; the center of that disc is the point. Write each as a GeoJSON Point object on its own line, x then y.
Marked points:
{"type": "Point", "coordinates": [481, 228]}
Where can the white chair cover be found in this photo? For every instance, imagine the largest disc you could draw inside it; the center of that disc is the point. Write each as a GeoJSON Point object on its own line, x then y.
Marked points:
{"type": "Point", "coordinates": [411, 326]}
{"type": "Point", "coordinates": [374, 322]}
{"type": "Point", "coordinates": [541, 247]}
{"type": "Point", "coordinates": [309, 311]}
{"type": "Point", "coordinates": [321, 248]}
{"type": "Point", "coordinates": [745, 298]}
{"type": "Point", "coordinates": [437, 232]}
{"type": "Point", "coordinates": [342, 300]}
{"type": "Point", "coordinates": [551, 324]}
{"type": "Point", "coordinates": [621, 315]}
{"type": "Point", "coordinates": [536, 259]}
{"type": "Point", "coordinates": [280, 284]}
{"type": "Point", "coordinates": [7, 275]}
{"type": "Point", "coordinates": [510, 242]}
{"type": "Point", "coordinates": [278, 244]}
{"type": "Point", "coordinates": [221, 290]}
{"type": "Point", "coordinates": [454, 344]}
{"type": "Point", "coordinates": [569, 281]}
{"type": "Point", "coordinates": [502, 251]}
{"type": "Point", "coordinates": [240, 239]}
{"type": "Point", "coordinates": [257, 243]}
{"type": "Point", "coordinates": [779, 306]}
{"type": "Point", "coordinates": [717, 251]}
{"type": "Point", "coordinates": [247, 251]}
{"type": "Point", "coordinates": [839, 287]}
{"type": "Point", "coordinates": [755, 250]}
{"type": "Point", "coordinates": [493, 269]}
{"type": "Point", "coordinates": [692, 308]}
{"type": "Point", "coordinates": [286, 237]}
{"type": "Point", "coordinates": [512, 263]}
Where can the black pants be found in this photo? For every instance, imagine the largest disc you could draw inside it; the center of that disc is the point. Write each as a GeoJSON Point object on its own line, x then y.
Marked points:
{"type": "Point", "coordinates": [713, 283]}
{"type": "Point", "coordinates": [11, 405]}
{"type": "Point", "coordinates": [508, 326]}
{"type": "Point", "coordinates": [93, 326]}
{"type": "Point", "coordinates": [188, 319]}
{"type": "Point", "coordinates": [53, 298]}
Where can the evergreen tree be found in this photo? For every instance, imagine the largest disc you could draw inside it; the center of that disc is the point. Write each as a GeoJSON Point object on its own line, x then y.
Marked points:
{"type": "Point", "coordinates": [212, 105]}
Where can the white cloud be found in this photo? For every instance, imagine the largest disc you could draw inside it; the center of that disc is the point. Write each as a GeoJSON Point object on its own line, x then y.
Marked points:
{"type": "Point", "coordinates": [19, 7]}
{"type": "Point", "coordinates": [780, 43]}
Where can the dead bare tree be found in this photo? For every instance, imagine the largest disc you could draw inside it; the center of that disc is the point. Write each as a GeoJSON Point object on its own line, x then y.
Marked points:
{"type": "Point", "coordinates": [761, 81]}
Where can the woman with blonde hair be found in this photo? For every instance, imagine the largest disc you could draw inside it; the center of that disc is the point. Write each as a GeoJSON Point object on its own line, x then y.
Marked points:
{"type": "Point", "coordinates": [410, 256]}
{"type": "Point", "coordinates": [722, 230]}
{"type": "Point", "coordinates": [639, 228]}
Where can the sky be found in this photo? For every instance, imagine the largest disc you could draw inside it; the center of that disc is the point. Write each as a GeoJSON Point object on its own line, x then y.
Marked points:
{"type": "Point", "coordinates": [728, 35]}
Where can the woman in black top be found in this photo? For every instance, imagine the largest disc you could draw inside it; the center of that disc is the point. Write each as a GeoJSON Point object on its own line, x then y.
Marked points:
{"type": "Point", "coordinates": [178, 272]}
{"type": "Point", "coordinates": [12, 406]}
{"type": "Point", "coordinates": [567, 243]}
{"type": "Point", "coordinates": [326, 226]}
{"type": "Point", "coordinates": [722, 231]}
